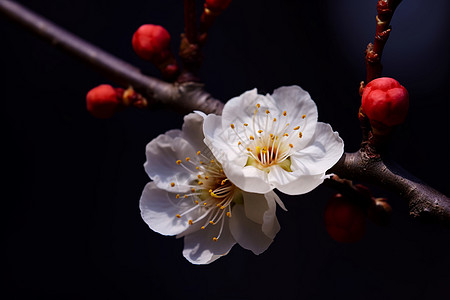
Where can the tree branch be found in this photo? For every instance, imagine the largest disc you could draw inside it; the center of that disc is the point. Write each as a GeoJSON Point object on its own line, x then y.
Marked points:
{"type": "Point", "coordinates": [183, 98]}
{"type": "Point", "coordinates": [425, 203]}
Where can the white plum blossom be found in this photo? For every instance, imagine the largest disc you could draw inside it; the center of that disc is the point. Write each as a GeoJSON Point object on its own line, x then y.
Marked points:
{"type": "Point", "coordinates": [191, 197]}
{"type": "Point", "coordinates": [273, 141]}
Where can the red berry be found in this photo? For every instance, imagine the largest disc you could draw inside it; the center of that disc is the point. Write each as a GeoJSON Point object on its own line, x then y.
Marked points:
{"type": "Point", "coordinates": [102, 101]}
{"type": "Point", "coordinates": [218, 5]}
{"type": "Point", "coordinates": [151, 42]}
{"type": "Point", "coordinates": [344, 220]}
{"type": "Point", "coordinates": [385, 101]}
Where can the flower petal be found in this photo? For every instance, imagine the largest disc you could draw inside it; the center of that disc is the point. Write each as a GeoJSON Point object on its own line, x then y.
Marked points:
{"type": "Point", "coordinates": [192, 131]}
{"type": "Point", "coordinates": [255, 206]}
{"type": "Point", "coordinates": [218, 140]}
{"type": "Point", "coordinates": [200, 248]}
{"type": "Point", "coordinates": [297, 102]}
{"type": "Point", "coordinates": [247, 233]}
{"type": "Point", "coordinates": [162, 154]}
{"type": "Point", "coordinates": [240, 109]}
{"type": "Point", "coordinates": [294, 184]}
{"type": "Point", "coordinates": [249, 179]}
{"type": "Point", "coordinates": [159, 211]}
{"type": "Point", "coordinates": [270, 225]}
{"type": "Point", "coordinates": [324, 150]}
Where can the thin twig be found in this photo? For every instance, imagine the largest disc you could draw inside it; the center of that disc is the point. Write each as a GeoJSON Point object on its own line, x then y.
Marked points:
{"type": "Point", "coordinates": [385, 11]}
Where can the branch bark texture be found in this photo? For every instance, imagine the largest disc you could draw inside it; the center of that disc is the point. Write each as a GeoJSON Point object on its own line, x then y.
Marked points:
{"type": "Point", "coordinates": [425, 203]}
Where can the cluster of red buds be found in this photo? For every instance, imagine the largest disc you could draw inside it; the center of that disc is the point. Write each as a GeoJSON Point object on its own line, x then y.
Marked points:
{"type": "Point", "coordinates": [152, 43]}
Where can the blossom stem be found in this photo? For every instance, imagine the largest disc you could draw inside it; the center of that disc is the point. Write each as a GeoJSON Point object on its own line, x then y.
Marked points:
{"type": "Point", "coordinates": [385, 11]}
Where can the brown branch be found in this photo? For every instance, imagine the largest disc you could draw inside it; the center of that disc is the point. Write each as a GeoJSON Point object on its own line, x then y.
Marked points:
{"type": "Point", "coordinates": [385, 10]}
{"type": "Point", "coordinates": [183, 98]}
{"type": "Point", "coordinates": [425, 203]}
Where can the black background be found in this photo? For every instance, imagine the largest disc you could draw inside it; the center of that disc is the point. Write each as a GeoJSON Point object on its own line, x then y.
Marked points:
{"type": "Point", "coordinates": [71, 183]}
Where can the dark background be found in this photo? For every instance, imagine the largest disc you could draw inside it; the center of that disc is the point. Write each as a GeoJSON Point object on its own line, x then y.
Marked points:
{"type": "Point", "coordinates": [71, 183]}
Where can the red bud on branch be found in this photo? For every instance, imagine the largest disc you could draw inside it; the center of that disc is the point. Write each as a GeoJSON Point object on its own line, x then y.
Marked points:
{"type": "Point", "coordinates": [152, 43]}
{"type": "Point", "coordinates": [345, 221]}
{"type": "Point", "coordinates": [102, 101]}
{"type": "Point", "coordinates": [385, 101]}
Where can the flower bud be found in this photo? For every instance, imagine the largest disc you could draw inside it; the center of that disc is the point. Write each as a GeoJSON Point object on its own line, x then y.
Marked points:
{"type": "Point", "coordinates": [345, 221]}
{"type": "Point", "coordinates": [151, 42]}
{"type": "Point", "coordinates": [217, 5]}
{"type": "Point", "coordinates": [385, 101]}
{"type": "Point", "coordinates": [102, 101]}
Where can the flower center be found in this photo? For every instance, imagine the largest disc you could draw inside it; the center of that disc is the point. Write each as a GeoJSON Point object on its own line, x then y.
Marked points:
{"type": "Point", "coordinates": [211, 193]}
{"type": "Point", "coordinates": [269, 140]}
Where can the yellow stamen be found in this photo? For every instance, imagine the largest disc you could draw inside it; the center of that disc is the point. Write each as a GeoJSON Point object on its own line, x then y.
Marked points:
{"type": "Point", "coordinates": [198, 152]}
{"type": "Point", "coordinates": [200, 182]}
{"type": "Point", "coordinates": [297, 128]}
{"type": "Point", "coordinates": [274, 119]}
{"type": "Point", "coordinates": [245, 124]}
{"type": "Point", "coordinates": [232, 126]}
{"type": "Point", "coordinates": [304, 116]}
{"type": "Point", "coordinates": [177, 196]}
{"type": "Point", "coordinates": [258, 105]}
{"type": "Point", "coordinates": [193, 190]}
{"type": "Point", "coordinates": [260, 131]}
{"type": "Point", "coordinates": [172, 184]}
{"type": "Point", "coordinates": [178, 162]}
{"type": "Point", "coordinates": [191, 222]}
{"type": "Point", "coordinates": [214, 239]}
{"type": "Point", "coordinates": [228, 214]}
{"type": "Point", "coordinates": [203, 227]}
{"type": "Point", "coordinates": [188, 159]}
{"type": "Point", "coordinates": [284, 113]}
{"type": "Point", "coordinates": [285, 134]}
{"type": "Point", "coordinates": [300, 135]}
{"type": "Point", "coordinates": [267, 111]}
{"type": "Point", "coordinates": [252, 137]}
{"type": "Point", "coordinates": [290, 145]}
{"type": "Point", "coordinates": [199, 176]}
{"type": "Point", "coordinates": [178, 216]}
{"type": "Point", "coordinates": [212, 223]}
